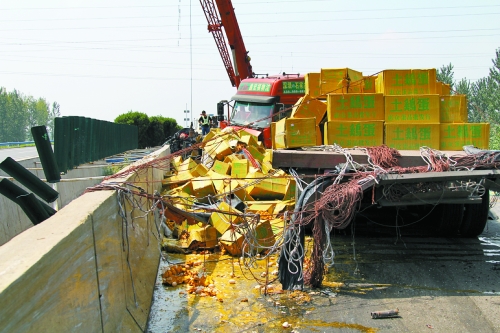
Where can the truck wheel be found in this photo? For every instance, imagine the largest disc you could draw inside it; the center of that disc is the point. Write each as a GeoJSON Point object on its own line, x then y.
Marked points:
{"type": "Point", "coordinates": [450, 219]}
{"type": "Point", "coordinates": [475, 217]}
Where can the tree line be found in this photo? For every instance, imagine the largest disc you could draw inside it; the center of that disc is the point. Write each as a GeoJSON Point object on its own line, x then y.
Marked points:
{"type": "Point", "coordinates": [483, 96]}
{"type": "Point", "coordinates": [153, 131]}
{"type": "Point", "coordinates": [18, 113]}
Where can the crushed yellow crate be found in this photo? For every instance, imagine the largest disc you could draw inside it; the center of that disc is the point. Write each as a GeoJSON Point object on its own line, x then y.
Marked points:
{"type": "Point", "coordinates": [251, 178]}
{"type": "Point", "coordinates": [187, 188]}
{"type": "Point", "coordinates": [340, 80]}
{"type": "Point", "coordinates": [203, 187]}
{"type": "Point", "coordinates": [206, 235]}
{"type": "Point", "coordinates": [455, 136]}
{"type": "Point", "coordinates": [306, 107]}
{"type": "Point", "coordinates": [249, 139]}
{"type": "Point", "coordinates": [369, 84]}
{"type": "Point", "coordinates": [256, 152]}
{"type": "Point", "coordinates": [270, 189]}
{"type": "Point", "coordinates": [219, 149]}
{"type": "Point", "coordinates": [348, 134]}
{"type": "Point", "coordinates": [200, 171]}
{"type": "Point", "coordinates": [188, 165]}
{"type": "Point", "coordinates": [217, 179]}
{"type": "Point", "coordinates": [412, 109]}
{"type": "Point", "coordinates": [355, 107]}
{"type": "Point", "coordinates": [277, 225]}
{"type": "Point", "coordinates": [266, 166]}
{"type": "Point", "coordinates": [261, 207]}
{"type": "Point", "coordinates": [453, 109]}
{"type": "Point", "coordinates": [295, 132]}
{"type": "Point", "coordinates": [234, 242]}
{"type": "Point", "coordinates": [411, 136]}
{"type": "Point", "coordinates": [268, 156]}
{"type": "Point", "coordinates": [283, 205]}
{"type": "Point", "coordinates": [213, 132]}
{"type": "Point", "coordinates": [176, 162]}
{"type": "Point", "coordinates": [184, 201]}
{"type": "Point", "coordinates": [239, 168]}
{"type": "Point", "coordinates": [290, 190]}
{"type": "Point", "coordinates": [312, 84]}
{"type": "Point", "coordinates": [221, 167]}
{"type": "Point", "coordinates": [238, 188]}
{"type": "Point", "coordinates": [233, 157]}
{"type": "Point", "coordinates": [221, 221]}
{"type": "Point", "coordinates": [406, 82]}
{"type": "Point", "coordinates": [182, 176]}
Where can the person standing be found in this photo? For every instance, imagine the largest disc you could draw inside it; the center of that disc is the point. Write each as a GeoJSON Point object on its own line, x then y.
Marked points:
{"type": "Point", "coordinates": [204, 122]}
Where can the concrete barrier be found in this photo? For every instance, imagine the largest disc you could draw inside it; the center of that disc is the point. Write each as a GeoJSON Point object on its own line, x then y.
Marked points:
{"type": "Point", "coordinates": [89, 268]}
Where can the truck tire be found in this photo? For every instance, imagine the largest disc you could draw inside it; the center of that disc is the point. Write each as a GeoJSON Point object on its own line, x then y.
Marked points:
{"type": "Point", "coordinates": [449, 219]}
{"type": "Point", "coordinates": [475, 217]}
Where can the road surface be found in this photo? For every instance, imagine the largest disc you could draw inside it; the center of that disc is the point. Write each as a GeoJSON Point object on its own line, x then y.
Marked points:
{"type": "Point", "coordinates": [18, 153]}
{"type": "Point", "coordinates": [437, 284]}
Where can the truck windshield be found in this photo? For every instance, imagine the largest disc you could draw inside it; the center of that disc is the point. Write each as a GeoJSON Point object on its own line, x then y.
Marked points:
{"type": "Point", "coordinates": [245, 113]}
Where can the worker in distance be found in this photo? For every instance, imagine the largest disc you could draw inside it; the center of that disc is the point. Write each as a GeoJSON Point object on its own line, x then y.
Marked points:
{"type": "Point", "coordinates": [204, 122]}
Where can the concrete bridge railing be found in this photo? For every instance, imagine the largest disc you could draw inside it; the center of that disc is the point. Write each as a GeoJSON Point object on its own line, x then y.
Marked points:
{"type": "Point", "coordinates": [89, 268]}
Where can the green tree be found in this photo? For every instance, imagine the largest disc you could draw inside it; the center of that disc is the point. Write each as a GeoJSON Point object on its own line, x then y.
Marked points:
{"type": "Point", "coordinates": [483, 97]}
{"type": "Point", "coordinates": [170, 126]}
{"type": "Point", "coordinates": [54, 112]}
{"type": "Point", "coordinates": [153, 131]}
{"type": "Point", "coordinates": [156, 135]}
{"type": "Point", "coordinates": [445, 75]}
{"type": "Point", "coordinates": [37, 114]}
{"type": "Point", "coordinates": [17, 116]}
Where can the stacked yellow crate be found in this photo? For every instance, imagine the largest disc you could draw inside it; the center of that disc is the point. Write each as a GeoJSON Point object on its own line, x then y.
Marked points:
{"type": "Point", "coordinates": [455, 131]}
{"type": "Point", "coordinates": [354, 120]}
{"type": "Point", "coordinates": [405, 109]}
{"type": "Point", "coordinates": [355, 113]}
{"type": "Point", "coordinates": [411, 108]}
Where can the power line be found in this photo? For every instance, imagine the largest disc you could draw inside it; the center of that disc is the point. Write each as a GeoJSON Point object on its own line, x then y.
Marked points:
{"type": "Point", "coordinates": [258, 22]}
{"type": "Point", "coordinates": [254, 3]}
{"type": "Point", "coordinates": [243, 14]}
{"type": "Point", "coordinates": [112, 76]}
{"type": "Point", "coordinates": [47, 42]}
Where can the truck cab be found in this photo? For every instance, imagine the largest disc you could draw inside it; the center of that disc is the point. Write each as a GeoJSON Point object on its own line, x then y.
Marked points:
{"type": "Point", "coordinates": [259, 101]}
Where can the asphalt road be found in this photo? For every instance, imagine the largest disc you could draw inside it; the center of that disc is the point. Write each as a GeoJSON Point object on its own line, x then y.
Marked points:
{"type": "Point", "coordinates": [437, 284]}
{"type": "Point", "coordinates": [18, 153]}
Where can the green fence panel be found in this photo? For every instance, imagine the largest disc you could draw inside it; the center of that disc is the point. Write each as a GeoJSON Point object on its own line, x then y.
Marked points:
{"type": "Point", "coordinates": [79, 140]}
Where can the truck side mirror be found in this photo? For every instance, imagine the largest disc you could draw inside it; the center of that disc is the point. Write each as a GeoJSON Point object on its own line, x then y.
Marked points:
{"type": "Point", "coordinates": [220, 111]}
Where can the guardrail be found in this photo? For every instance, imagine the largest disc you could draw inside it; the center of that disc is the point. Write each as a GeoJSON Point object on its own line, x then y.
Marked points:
{"type": "Point", "coordinates": [8, 144]}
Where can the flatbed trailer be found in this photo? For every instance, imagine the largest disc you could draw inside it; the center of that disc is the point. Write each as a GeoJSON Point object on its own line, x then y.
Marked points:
{"type": "Point", "coordinates": [450, 203]}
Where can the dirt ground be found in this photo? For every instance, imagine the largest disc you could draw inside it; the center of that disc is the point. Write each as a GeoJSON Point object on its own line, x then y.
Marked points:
{"type": "Point", "coordinates": [437, 285]}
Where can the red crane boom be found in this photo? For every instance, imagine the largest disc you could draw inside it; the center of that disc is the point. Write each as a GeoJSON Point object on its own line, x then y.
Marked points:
{"type": "Point", "coordinates": [242, 68]}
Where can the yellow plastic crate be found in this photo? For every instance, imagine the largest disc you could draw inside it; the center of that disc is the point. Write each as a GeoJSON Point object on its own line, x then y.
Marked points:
{"type": "Point", "coordinates": [455, 136]}
{"type": "Point", "coordinates": [349, 134]}
{"type": "Point", "coordinates": [411, 136]}
{"type": "Point", "coordinates": [412, 109]}
{"type": "Point", "coordinates": [453, 109]}
{"type": "Point", "coordinates": [406, 82]}
{"type": "Point", "coordinates": [355, 107]}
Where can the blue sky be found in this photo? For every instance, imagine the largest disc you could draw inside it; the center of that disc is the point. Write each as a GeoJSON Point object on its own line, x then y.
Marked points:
{"type": "Point", "coordinates": [101, 59]}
